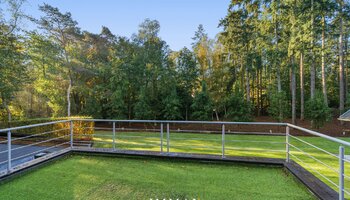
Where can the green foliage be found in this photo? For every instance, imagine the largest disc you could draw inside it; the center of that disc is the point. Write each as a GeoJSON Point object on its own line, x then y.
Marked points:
{"type": "Point", "coordinates": [172, 106]}
{"type": "Point", "coordinates": [238, 109]}
{"type": "Point", "coordinates": [186, 78]}
{"type": "Point", "coordinates": [13, 71]}
{"type": "Point", "coordinates": [279, 105]}
{"type": "Point", "coordinates": [202, 105]}
{"type": "Point", "coordinates": [143, 108]}
{"type": "Point", "coordinates": [347, 103]}
{"type": "Point", "coordinates": [118, 107]}
{"type": "Point", "coordinates": [119, 77]}
{"type": "Point", "coordinates": [317, 111]}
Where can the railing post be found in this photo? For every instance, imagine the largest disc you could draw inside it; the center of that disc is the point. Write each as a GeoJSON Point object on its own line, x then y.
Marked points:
{"type": "Point", "coordinates": [341, 173]}
{"type": "Point", "coordinates": [287, 143]}
{"type": "Point", "coordinates": [9, 152]}
{"type": "Point", "coordinates": [71, 134]}
{"type": "Point", "coordinates": [161, 138]}
{"type": "Point", "coordinates": [113, 135]}
{"type": "Point", "coordinates": [167, 137]}
{"type": "Point", "coordinates": [223, 140]}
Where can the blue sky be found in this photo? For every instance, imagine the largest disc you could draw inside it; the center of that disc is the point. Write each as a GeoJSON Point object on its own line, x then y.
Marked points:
{"type": "Point", "coordinates": [179, 19]}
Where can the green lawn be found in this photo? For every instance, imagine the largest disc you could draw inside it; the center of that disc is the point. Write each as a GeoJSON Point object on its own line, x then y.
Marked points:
{"type": "Point", "coordinates": [89, 177]}
{"type": "Point", "coordinates": [237, 145]}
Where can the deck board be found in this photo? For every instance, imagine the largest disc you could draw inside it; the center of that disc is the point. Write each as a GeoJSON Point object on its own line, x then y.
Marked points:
{"type": "Point", "coordinates": [319, 188]}
{"type": "Point", "coordinates": [253, 160]}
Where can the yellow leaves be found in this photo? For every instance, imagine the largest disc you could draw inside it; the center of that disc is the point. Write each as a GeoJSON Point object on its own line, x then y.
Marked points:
{"type": "Point", "coordinates": [149, 66]}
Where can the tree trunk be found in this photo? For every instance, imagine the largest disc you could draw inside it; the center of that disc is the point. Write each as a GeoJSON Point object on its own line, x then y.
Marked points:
{"type": "Point", "coordinates": [277, 66]}
{"type": "Point", "coordinates": [324, 85]}
{"type": "Point", "coordinates": [293, 89]}
{"type": "Point", "coordinates": [312, 67]}
{"type": "Point", "coordinates": [278, 74]}
{"type": "Point", "coordinates": [247, 85]}
{"type": "Point", "coordinates": [217, 115]}
{"type": "Point", "coordinates": [68, 97]}
{"type": "Point", "coordinates": [70, 82]}
{"type": "Point", "coordinates": [312, 79]}
{"type": "Point", "coordinates": [301, 86]}
{"type": "Point", "coordinates": [261, 88]}
{"type": "Point", "coordinates": [341, 60]}
{"type": "Point", "coordinates": [346, 65]}
{"type": "Point", "coordinates": [31, 110]}
{"type": "Point", "coordinates": [258, 91]}
{"type": "Point", "coordinates": [242, 75]}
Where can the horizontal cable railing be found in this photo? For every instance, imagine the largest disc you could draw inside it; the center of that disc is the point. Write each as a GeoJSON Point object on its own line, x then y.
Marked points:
{"type": "Point", "coordinates": [244, 139]}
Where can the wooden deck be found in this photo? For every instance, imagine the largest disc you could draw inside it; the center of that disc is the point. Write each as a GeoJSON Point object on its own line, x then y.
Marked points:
{"type": "Point", "coordinates": [319, 188]}
{"type": "Point", "coordinates": [204, 157]}
{"type": "Point", "coordinates": [20, 169]}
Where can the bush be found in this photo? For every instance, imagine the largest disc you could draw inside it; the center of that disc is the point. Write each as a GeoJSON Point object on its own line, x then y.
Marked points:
{"type": "Point", "coordinates": [317, 111]}
{"type": "Point", "coordinates": [238, 109]}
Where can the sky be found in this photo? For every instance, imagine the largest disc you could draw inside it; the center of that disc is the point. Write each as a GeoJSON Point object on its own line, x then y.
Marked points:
{"type": "Point", "coordinates": [179, 19]}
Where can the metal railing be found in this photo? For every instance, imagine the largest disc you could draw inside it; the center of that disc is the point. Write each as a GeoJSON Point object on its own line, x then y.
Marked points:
{"type": "Point", "coordinates": [323, 169]}
{"type": "Point", "coordinates": [24, 143]}
{"type": "Point", "coordinates": [272, 140]}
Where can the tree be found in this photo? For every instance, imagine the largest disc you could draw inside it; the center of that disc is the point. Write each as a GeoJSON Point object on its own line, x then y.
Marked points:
{"type": "Point", "coordinates": [187, 78]}
{"type": "Point", "coordinates": [143, 109]}
{"type": "Point", "coordinates": [118, 107]}
{"type": "Point", "coordinates": [253, 61]}
{"type": "Point", "coordinates": [63, 30]}
{"type": "Point", "coordinates": [202, 106]}
{"type": "Point", "coordinates": [171, 110]}
{"type": "Point", "coordinates": [279, 105]}
{"type": "Point", "coordinates": [152, 60]}
{"type": "Point", "coordinates": [12, 68]}
{"type": "Point", "coordinates": [341, 58]}
{"type": "Point", "coordinates": [238, 109]}
{"type": "Point", "coordinates": [302, 92]}
{"type": "Point", "coordinates": [317, 111]}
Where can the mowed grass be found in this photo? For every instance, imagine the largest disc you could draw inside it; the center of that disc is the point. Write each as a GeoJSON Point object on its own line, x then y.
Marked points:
{"type": "Point", "coordinates": [96, 177]}
{"type": "Point", "coordinates": [314, 160]}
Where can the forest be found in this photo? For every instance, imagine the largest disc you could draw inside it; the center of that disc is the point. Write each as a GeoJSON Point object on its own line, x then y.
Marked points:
{"type": "Point", "coordinates": [284, 59]}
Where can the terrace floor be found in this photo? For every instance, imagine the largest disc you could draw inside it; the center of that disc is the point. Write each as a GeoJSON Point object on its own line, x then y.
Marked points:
{"type": "Point", "coordinates": [99, 177]}
{"type": "Point", "coordinates": [21, 154]}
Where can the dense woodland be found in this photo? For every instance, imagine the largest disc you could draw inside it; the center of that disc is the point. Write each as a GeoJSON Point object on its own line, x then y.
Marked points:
{"type": "Point", "coordinates": [285, 59]}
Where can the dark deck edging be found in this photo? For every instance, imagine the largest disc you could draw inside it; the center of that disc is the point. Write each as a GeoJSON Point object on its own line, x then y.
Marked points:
{"type": "Point", "coordinates": [319, 188]}
{"type": "Point", "coordinates": [252, 160]}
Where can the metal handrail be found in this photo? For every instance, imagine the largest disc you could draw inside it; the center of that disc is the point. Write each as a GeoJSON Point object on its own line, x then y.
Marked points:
{"type": "Point", "coordinates": [223, 122]}
{"type": "Point", "coordinates": [33, 125]}
{"type": "Point", "coordinates": [320, 135]}
{"type": "Point", "coordinates": [180, 122]}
